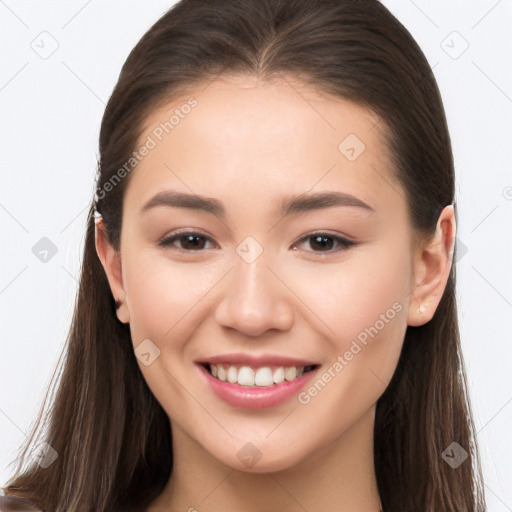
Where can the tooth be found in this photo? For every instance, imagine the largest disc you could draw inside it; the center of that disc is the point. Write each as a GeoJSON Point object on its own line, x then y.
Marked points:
{"type": "Point", "coordinates": [278, 376]}
{"type": "Point", "coordinates": [290, 373]}
{"type": "Point", "coordinates": [232, 375]}
{"type": "Point", "coordinates": [221, 373]}
{"type": "Point", "coordinates": [263, 377]}
{"type": "Point", "coordinates": [246, 376]}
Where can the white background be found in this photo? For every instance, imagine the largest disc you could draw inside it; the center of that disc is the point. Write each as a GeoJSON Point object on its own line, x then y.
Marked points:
{"type": "Point", "coordinates": [50, 113]}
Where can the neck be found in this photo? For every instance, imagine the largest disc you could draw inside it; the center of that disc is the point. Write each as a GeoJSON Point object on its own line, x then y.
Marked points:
{"type": "Point", "coordinates": [338, 477]}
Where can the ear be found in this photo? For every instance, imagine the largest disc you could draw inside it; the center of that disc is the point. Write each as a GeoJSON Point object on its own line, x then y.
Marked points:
{"type": "Point", "coordinates": [432, 265]}
{"type": "Point", "coordinates": [111, 261]}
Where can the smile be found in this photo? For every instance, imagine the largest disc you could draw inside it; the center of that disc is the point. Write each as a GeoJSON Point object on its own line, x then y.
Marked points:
{"type": "Point", "coordinates": [264, 376]}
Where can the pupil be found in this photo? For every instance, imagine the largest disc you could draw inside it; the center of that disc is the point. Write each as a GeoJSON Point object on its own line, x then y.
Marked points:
{"type": "Point", "coordinates": [190, 239]}
{"type": "Point", "coordinates": [321, 240]}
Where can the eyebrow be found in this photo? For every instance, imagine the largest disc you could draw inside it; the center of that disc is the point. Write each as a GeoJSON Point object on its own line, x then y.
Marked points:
{"type": "Point", "coordinates": [289, 206]}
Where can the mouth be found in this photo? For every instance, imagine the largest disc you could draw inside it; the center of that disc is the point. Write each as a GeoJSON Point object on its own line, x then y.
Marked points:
{"type": "Point", "coordinates": [256, 376]}
{"type": "Point", "coordinates": [256, 381]}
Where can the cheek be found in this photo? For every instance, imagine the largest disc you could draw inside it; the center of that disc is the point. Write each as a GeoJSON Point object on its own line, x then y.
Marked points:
{"type": "Point", "coordinates": [360, 305]}
{"type": "Point", "coordinates": [164, 295]}
{"type": "Point", "coordinates": [167, 301]}
{"type": "Point", "coordinates": [356, 291]}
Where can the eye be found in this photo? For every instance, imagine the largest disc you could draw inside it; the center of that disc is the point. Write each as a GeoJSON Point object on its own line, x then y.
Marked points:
{"type": "Point", "coordinates": [325, 241]}
{"type": "Point", "coordinates": [189, 241]}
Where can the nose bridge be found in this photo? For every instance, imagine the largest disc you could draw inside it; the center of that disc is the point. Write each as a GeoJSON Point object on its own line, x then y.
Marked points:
{"type": "Point", "coordinates": [254, 299]}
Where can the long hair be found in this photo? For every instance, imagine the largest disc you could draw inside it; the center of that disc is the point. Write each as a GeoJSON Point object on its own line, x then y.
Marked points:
{"type": "Point", "coordinates": [112, 437]}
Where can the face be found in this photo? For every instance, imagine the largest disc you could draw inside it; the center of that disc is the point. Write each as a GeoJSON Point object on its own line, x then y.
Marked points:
{"type": "Point", "coordinates": [267, 275]}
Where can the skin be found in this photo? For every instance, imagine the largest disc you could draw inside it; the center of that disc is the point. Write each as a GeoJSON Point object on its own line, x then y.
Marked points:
{"type": "Point", "coordinates": [250, 144]}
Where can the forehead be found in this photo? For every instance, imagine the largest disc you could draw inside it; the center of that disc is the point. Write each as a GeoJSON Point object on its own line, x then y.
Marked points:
{"type": "Point", "coordinates": [241, 136]}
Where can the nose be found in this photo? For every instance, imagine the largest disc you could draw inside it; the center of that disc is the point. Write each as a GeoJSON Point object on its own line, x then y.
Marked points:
{"type": "Point", "coordinates": [255, 299]}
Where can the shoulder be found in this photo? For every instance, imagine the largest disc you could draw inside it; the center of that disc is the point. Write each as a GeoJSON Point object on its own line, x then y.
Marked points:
{"type": "Point", "coordinates": [12, 503]}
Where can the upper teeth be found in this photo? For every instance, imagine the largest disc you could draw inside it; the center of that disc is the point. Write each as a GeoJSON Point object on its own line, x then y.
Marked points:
{"type": "Point", "coordinates": [247, 376]}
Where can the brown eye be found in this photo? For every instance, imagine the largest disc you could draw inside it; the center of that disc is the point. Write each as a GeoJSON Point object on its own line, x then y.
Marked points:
{"type": "Point", "coordinates": [187, 241]}
{"type": "Point", "coordinates": [323, 242]}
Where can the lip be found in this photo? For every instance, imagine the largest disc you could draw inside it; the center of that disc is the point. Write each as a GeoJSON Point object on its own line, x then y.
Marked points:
{"type": "Point", "coordinates": [256, 361]}
{"type": "Point", "coordinates": [255, 397]}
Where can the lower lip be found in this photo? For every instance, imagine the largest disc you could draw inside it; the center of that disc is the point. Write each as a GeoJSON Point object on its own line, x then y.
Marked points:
{"type": "Point", "coordinates": [255, 397]}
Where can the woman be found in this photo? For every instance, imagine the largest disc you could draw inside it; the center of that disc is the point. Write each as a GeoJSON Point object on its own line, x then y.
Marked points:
{"type": "Point", "coordinates": [268, 276]}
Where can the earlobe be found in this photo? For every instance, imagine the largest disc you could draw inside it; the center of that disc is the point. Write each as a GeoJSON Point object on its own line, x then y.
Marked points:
{"type": "Point", "coordinates": [111, 262]}
{"type": "Point", "coordinates": [432, 267]}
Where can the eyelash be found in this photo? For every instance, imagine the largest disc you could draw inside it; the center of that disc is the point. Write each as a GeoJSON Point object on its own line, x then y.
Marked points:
{"type": "Point", "coordinates": [343, 242]}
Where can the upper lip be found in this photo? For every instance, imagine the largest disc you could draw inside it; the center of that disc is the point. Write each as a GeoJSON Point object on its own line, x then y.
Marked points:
{"type": "Point", "coordinates": [256, 360]}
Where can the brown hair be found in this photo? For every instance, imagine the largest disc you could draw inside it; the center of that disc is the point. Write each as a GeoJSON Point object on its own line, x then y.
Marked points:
{"type": "Point", "coordinates": [112, 437]}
